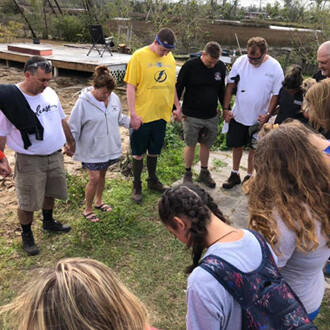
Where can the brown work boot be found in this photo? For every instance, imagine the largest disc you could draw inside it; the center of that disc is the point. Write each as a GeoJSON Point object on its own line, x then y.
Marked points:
{"type": "Point", "coordinates": [187, 178]}
{"type": "Point", "coordinates": [155, 184]}
{"type": "Point", "coordinates": [233, 180]}
{"type": "Point", "coordinates": [205, 177]}
{"type": "Point", "coordinates": [137, 192]}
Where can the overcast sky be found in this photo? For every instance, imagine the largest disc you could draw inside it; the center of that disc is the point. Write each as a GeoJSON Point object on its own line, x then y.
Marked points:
{"type": "Point", "coordinates": [246, 3]}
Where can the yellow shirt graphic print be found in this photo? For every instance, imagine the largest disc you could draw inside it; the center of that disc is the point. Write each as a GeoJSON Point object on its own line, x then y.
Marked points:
{"type": "Point", "coordinates": [154, 79]}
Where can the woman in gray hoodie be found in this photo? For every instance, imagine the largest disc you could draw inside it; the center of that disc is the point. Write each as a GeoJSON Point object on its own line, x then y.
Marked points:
{"type": "Point", "coordinates": [94, 123]}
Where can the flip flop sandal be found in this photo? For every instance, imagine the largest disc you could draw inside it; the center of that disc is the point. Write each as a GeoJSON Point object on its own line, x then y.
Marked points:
{"type": "Point", "coordinates": [91, 217]}
{"type": "Point", "coordinates": [103, 208]}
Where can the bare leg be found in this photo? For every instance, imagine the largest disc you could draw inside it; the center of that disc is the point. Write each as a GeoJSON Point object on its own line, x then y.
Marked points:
{"type": "Point", "coordinates": [204, 153]}
{"type": "Point", "coordinates": [237, 155]}
{"type": "Point", "coordinates": [90, 190]}
{"type": "Point", "coordinates": [189, 155]}
{"type": "Point", "coordinates": [24, 217]}
{"type": "Point", "coordinates": [251, 161]}
{"type": "Point", "coordinates": [100, 187]}
{"type": "Point", "coordinates": [49, 203]}
{"type": "Point", "coordinates": [139, 157]}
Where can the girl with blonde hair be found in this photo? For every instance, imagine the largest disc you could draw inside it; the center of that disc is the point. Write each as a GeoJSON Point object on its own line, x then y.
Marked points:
{"type": "Point", "coordinates": [317, 101]}
{"type": "Point", "coordinates": [290, 205]}
{"type": "Point", "coordinates": [79, 294]}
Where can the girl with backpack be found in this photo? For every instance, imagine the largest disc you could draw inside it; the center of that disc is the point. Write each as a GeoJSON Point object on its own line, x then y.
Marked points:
{"type": "Point", "coordinates": [191, 215]}
{"type": "Point", "coordinates": [290, 205]}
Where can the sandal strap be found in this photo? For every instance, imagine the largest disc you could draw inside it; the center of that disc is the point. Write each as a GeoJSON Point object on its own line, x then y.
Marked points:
{"type": "Point", "coordinates": [91, 216]}
{"type": "Point", "coordinates": [103, 207]}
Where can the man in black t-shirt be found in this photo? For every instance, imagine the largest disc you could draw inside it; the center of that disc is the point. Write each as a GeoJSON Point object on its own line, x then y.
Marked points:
{"type": "Point", "coordinates": [203, 81]}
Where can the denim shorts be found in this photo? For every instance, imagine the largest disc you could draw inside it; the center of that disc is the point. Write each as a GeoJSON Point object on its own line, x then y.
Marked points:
{"type": "Point", "coordinates": [100, 166]}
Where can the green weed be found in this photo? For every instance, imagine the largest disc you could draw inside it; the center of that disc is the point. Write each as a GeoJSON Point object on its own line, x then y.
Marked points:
{"type": "Point", "coordinates": [219, 164]}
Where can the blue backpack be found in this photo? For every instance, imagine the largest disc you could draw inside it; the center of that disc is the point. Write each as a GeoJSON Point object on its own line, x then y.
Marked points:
{"type": "Point", "coordinates": [267, 301]}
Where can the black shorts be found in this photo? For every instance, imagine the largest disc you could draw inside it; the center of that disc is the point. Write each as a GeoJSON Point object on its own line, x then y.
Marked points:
{"type": "Point", "coordinates": [238, 134]}
{"type": "Point", "coordinates": [149, 137]}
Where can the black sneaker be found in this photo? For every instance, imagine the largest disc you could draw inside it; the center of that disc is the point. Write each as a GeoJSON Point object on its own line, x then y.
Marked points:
{"type": "Point", "coordinates": [55, 226]}
{"type": "Point", "coordinates": [155, 184]}
{"type": "Point", "coordinates": [232, 181]}
{"type": "Point", "coordinates": [28, 244]}
{"type": "Point", "coordinates": [187, 178]}
{"type": "Point", "coordinates": [205, 177]}
{"type": "Point", "coordinates": [137, 192]}
{"type": "Point", "coordinates": [247, 177]}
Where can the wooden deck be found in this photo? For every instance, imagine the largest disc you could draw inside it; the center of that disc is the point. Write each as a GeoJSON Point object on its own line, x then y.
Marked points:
{"type": "Point", "coordinates": [71, 57]}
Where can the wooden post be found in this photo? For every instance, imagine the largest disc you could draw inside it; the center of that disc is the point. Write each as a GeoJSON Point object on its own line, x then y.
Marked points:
{"type": "Point", "coordinates": [52, 8]}
{"type": "Point", "coordinates": [55, 71]}
{"type": "Point", "coordinates": [58, 7]}
{"type": "Point", "coordinates": [45, 32]}
{"type": "Point", "coordinates": [287, 59]}
{"type": "Point", "coordinates": [26, 20]}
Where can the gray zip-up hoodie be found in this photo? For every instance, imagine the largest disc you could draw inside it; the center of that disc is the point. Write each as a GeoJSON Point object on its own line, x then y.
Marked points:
{"type": "Point", "coordinates": [96, 130]}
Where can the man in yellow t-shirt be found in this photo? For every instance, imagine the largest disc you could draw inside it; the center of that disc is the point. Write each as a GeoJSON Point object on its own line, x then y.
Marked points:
{"type": "Point", "coordinates": [151, 93]}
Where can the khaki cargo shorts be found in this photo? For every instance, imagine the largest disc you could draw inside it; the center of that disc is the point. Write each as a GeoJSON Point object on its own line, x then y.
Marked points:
{"type": "Point", "coordinates": [200, 130]}
{"type": "Point", "coordinates": [37, 177]}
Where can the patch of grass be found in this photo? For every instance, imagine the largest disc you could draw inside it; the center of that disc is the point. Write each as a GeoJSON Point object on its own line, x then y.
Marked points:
{"type": "Point", "coordinates": [130, 239]}
{"type": "Point", "coordinates": [323, 319]}
{"type": "Point", "coordinates": [219, 164]}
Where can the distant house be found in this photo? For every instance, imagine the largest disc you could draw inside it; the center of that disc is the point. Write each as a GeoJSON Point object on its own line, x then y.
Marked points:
{"type": "Point", "coordinates": [255, 14]}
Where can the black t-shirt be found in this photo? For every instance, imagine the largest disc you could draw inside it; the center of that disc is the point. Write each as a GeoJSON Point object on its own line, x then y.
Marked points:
{"type": "Point", "coordinates": [318, 76]}
{"type": "Point", "coordinates": [203, 88]}
{"type": "Point", "coordinates": [290, 106]}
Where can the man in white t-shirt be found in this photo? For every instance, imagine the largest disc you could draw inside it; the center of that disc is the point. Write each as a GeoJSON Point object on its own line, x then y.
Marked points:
{"type": "Point", "coordinates": [258, 78]}
{"type": "Point", "coordinates": [39, 168]}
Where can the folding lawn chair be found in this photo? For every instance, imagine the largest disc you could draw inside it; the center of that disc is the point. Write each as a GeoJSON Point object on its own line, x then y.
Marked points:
{"type": "Point", "coordinates": [98, 38]}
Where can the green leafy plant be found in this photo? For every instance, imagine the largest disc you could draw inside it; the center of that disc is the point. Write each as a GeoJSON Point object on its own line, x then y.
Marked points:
{"type": "Point", "coordinates": [70, 28]}
{"type": "Point", "coordinates": [10, 31]}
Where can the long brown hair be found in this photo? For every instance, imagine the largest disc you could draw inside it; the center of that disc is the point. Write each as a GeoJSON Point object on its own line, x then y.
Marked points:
{"type": "Point", "coordinates": [79, 294]}
{"type": "Point", "coordinates": [103, 78]}
{"type": "Point", "coordinates": [293, 180]}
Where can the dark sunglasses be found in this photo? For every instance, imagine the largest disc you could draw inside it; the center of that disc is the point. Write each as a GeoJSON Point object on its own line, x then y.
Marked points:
{"type": "Point", "coordinates": [255, 59]}
{"type": "Point", "coordinates": [45, 65]}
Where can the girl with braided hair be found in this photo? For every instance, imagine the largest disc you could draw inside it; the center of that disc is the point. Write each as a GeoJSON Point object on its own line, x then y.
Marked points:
{"type": "Point", "coordinates": [191, 215]}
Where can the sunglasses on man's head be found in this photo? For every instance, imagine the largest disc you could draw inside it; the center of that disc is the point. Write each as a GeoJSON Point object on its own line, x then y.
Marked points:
{"type": "Point", "coordinates": [45, 65]}
{"type": "Point", "coordinates": [255, 59]}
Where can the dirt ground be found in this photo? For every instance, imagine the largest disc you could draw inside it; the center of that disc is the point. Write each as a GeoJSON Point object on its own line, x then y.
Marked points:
{"type": "Point", "coordinates": [67, 88]}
